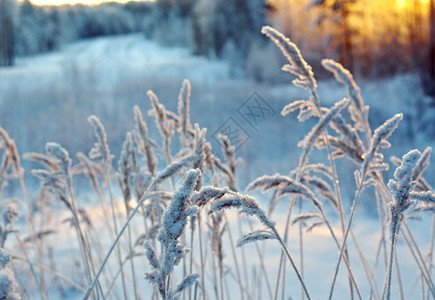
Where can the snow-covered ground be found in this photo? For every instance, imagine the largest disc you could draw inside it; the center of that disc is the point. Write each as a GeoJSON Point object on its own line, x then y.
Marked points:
{"type": "Point", "coordinates": [49, 97]}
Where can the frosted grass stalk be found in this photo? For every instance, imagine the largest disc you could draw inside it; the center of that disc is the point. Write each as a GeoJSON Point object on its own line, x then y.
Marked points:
{"type": "Point", "coordinates": [11, 152]}
{"type": "Point", "coordinates": [101, 150]}
{"type": "Point", "coordinates": [144, 143]}
{"type": "Point", "coordinates": [174, 222]}
{"type": "Point", "coordinates": [306, 80]}
{"type": "Point", "coordinates": [128, 166]}
{"type": "Point", "coordinates": [249, 206]}
{"type": "Point", "coordinates": [162, 176]}
{"type": "Point", "coordinates": [372, 160]}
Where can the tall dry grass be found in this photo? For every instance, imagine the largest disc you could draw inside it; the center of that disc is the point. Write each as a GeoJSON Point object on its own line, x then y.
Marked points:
{"type": "Point", "coordinates": [164, 211]}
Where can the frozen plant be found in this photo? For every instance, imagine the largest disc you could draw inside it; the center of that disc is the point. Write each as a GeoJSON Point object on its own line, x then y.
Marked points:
{"type": "Point", "coordinates": [165, 174]}
{"type": "Point", "coordinates": [58, 179]}
{"type": "Point", "coordinates": [403, 198]}
{"type": "Point", "coordinates": [143, 142]}
{"type": "Point", "coordinates": [9, 216]}
{"type": "Point", "coordinates": [173, 225]}
{"type": "Point", "coordinates": [8, 285]}
{"type": "Point", "coordinates": [225, 198]}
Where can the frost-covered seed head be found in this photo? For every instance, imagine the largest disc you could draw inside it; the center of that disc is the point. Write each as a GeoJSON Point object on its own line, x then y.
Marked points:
{"type": "Point", "coordinates": [400, 189]}
{"type": "Point", "coordinates": [206, 194]}
{"type": "Point", "coordinates": [128, 164]}
{"type": "Point", "coordinates": [258, 235]}
{"type": "Point", "coordinates": [373, 158]}
{"type": "Point", "coordinates": [345, 77]}
{"type": "Point", "coordinates": [8, 285]}
{"type": "Point", "coordinates": [184, 110]}
{"type": "Point", "coordinates": [151, 255]}
{"type": "Point", "coordinates": [10, 148]}
{"type": "Point", "coordinates": [175, 216]}
{"type": "Point", "coordinates": [298, 66]}
{"type": "Point", "coordinates": [59, 153]}
{"type": "Point", "coordinates": [175, 167]}
{"type": "Point", "coordinates": [144, 143]}
{"type": "Point", "coordinates": [101, 148]}
{"type": "Point", "coordinates": [10, 214]}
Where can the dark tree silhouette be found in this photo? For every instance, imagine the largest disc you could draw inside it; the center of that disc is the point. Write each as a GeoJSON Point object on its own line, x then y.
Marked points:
{"type": "Point", "coordinates": [217, 24]}
{"type": "Point", "coordinates": [338, 12]}
{"type": "Point", "coordinates": [8, 20]}
{"type": "Point", "coordinates": [429, 76]}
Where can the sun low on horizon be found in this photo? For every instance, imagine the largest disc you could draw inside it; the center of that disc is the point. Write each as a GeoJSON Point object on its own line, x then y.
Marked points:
{"type": "Point", "coordinates": [84, 2]}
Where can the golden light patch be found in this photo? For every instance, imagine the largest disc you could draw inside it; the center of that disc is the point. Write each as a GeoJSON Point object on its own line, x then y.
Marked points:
{"type": "Point", "coordinates": [403, 4]}
{"type": "Point", "coordinates": [84, 2]}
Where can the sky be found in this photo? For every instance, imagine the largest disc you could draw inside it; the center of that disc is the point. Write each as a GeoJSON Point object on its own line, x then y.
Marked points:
{"type": "Point", "coordinates": [88, 2]}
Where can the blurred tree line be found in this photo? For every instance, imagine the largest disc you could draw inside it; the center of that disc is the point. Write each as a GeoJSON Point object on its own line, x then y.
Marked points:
{"type": "Point", "coordinates": [44, 29]}
{"type": "Point", "coordinates": [8, 20]}
{"type": "Point", "coordinates": [207, 27]}
{"type": "Point", "coordinates": [372, 38]}
{"type": "Point", "coordinates": [429, 77]}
